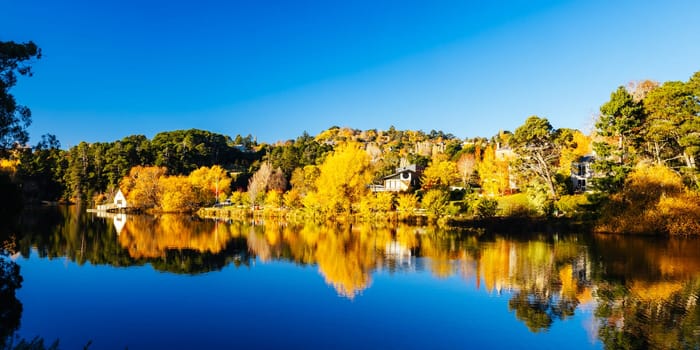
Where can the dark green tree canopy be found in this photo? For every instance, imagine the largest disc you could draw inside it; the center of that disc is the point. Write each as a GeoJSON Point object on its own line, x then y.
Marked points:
{"type": "Point", "coordinates": [14, 118]}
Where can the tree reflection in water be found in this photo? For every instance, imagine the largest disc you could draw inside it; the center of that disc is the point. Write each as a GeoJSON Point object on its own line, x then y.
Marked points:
{"type": "Point", "coordinates": [644, 292]}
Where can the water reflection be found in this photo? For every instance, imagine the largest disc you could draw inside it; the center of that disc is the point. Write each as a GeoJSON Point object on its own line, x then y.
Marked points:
{"type": "Point", "coordinates": [643, 292]}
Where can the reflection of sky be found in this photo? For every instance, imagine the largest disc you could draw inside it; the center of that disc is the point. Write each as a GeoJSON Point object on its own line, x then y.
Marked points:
{"type": "Point", "coordinates": [270, 305]}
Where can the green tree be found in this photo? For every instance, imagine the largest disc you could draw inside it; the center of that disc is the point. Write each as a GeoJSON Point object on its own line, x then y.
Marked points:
{"type": "Point", "coordinates": [14, 118]}
{"type": "Point", "coordinates": [538, 146]}
{"type": "Point", "coordinates": [673, 125]}
{"type": "Point", "coordinates": [619, 124]}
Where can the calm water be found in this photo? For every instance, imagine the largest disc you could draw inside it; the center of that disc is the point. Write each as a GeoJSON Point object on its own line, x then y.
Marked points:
{"type": "Point", "coordinates": [177, 282]}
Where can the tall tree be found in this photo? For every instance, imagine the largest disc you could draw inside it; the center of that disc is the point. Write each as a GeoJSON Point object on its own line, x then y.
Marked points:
{"type": "Point", "coordinates": [441, 173]}
{"type": "Point", "coordinates": [673, 127]}
{"type": "Point", "coordinates": [257, 185]}
{"type": "Point", "coordinates": [619, 125]}
{"type": "Point", "coordinates": [538, 146]}
{"type": "Point", "coordinates": [344, 177]}
{"type": "Point", "coordinates": [14, 118]}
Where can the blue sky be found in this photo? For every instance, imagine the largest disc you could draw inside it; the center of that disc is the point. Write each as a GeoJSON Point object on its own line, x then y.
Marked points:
{"type": "Point", "coordinates": [274, 69]}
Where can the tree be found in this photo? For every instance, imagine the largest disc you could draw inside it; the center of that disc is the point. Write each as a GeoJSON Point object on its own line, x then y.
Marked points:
{"type": "Point", "coordinates": [579, 146]}
{"type": "Point", "coordinates": [14, 118]}
{"type": "Point", "coordinates": [304, 179]}
{"type": "Point", "coordinates": [435, 202]}
{"type": "Point", "coordinates": [619, 125]}
{"type": "Point", "coordinates": [406, 204]}
{"type": "Point", "coordinates": [177, 194]}
{"type": "Point", "coordinates": [142, 186]}
{"type": "Point", "coordinates": [441, 173]}
{"type": "Point", "coordinates": [258, 183]}
{"type": "Point", "coordinates": [466, 164]}
{"type": "Point", "coordinates": [538, 148]}
{"type": "Point", "coordinates": [494, 173]}
{"type": "Point", "coordinates": [212, 183]}
{"type": "Point", "coordinates": [673, 128]}
{"type": "Point", "coordinates": [343, 180]}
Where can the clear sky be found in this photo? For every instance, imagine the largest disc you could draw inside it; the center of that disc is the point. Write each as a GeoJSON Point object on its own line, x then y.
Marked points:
{"type": "Point", "coordinates": [274, 69]}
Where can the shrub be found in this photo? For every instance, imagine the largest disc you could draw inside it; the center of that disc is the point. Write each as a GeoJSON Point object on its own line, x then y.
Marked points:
{"type": "Point", "coordinates": [653, 200]}
{"type": "Point", "coordinates": [516, 205]}
{"type": "Point", "coordinates": [435, 202]}
{"type": "Point", "coordinates": [572, 206]}
{"type": "Point", "coordinates": [486, 208]}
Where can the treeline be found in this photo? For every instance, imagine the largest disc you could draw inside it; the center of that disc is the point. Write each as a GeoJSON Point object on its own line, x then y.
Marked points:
{"type": "Point", "coordinates": [643, 153]}
{"type": "Point", "coordinates": [88, 171]}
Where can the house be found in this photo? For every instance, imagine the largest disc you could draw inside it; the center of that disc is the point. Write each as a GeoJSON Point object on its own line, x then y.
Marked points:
{"type": "Point", "coordinates": [118, 204]}
{"type": "Point", "coordinates": [119, 200]}
{"type": "Point", "coordinates": [582, 173]}
{"type": "Point", "coordinates": [404, 179]}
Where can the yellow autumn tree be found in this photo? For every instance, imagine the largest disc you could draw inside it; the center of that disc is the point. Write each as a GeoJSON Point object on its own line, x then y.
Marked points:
{"type": "Point", "coordinates": [142, 186]}
{"type": "Point", "coordinates": [406, 204]}
{"type": "Point", "coordinates": [343, 179]}
{"type": "Point", "coordinates": [178, 194]}
{"type": "Point", "coordinates": [580, 145]}
{"type": "Point", "coordinates": [213, 183]}
{"type": "Point", "coordinates": [493, 173]}
{"type": "Point", "coordinates": [441, 173]}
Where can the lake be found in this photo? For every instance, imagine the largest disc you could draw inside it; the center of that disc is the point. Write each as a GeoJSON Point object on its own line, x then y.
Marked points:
{"type": "Point", "coordinates": [180, 282]}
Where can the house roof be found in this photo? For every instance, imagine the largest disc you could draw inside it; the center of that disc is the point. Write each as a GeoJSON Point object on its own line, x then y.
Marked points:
{"type": "Point", "coordinates": [409, 168]}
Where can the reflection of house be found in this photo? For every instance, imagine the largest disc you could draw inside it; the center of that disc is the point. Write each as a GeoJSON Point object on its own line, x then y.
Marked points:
{"type": "Point", "coordinates": [119, 222]}
{"type": "Point", "coordinates": [404, 179]}
{"type": "Point", "coordinates": [118, 219]}
{"type": "Point", "coordinates": [581, 173]}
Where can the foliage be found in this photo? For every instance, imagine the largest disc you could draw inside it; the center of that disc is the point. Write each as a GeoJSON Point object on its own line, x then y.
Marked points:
{"type": "Point", "coordinates": [258, 184]}
{"type": "Point", "coordinates": [210, 183]}
{"type": "Point", "coordinates": [435, 202]}
{"type": "Point", "coordinates": [579, 146]}
{"type": "Point", "coordinates": [539, 199]}
{"type": "Point", "coordinates": [515, 205]}
{"type": "Point", "coordinates": [343, 179]}
{"type": "Point", "coordinates": [440, 174]}
{"type": "Point", "coordinates": [292, 199]}
{"type": "Point", "coordinates": [304, 179]}
{"type": "Point", "coordinates": [486, 208]}
{"type": "Point", "coordinates": [466, 165]}
{"type": "Point", "coordinates": [653, 200]}
{"type": "Point", "coordinates": [14, 118]}
{"type": "Point", "coordinates": [619, 126]}
{"type": "Point", "coordinates": [273, 199]}
{"type": "Point", "coordinates": [178, 194]}
{"type": "Point", "coordinates": [539, 146]}
{"type": "Point", "coordinates": [406, 204]}
{"type": "Point", "coordinates": [142, 186]}
{"type": "Point", "coordinates": [572, 206]}
{"type": "Point", "coordinates": [494, 174]}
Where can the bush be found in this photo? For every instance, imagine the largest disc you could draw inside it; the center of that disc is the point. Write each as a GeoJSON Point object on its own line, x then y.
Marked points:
{"type": "Point", "coordinates": [653, 200]}
{"type": "Point", "coordinates": [572, 206]}
{"type": "Point", "coordinates": [517, 205]}
{"type": "Point", "coordinates": [486, 208]}
{"type": "Point", "coordinates": [435, 202]}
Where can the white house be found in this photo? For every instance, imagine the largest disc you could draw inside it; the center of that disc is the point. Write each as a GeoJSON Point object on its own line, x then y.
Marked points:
{"type": "Point", "coordinates": [582, 173]}
{"type": "Point", "coordinates": [404, 179]}
{"type": "Point", "coordinates": [119, 200]}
